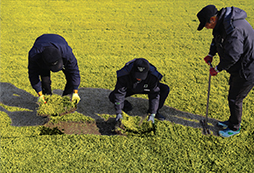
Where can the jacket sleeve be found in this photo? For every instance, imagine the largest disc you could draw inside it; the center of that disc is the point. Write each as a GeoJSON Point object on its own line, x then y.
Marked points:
{"type": "Point", "coordinates": [71, 68]}
{"type": "Point", "coordinates": [154, 96]}
{"type": "Point", "coordinates": [33, 74]}
{"type": "Point", "coordinates": [120, 93]}
{"type": "Point", "coordinates": [213, 49]}
{"type": "Point", "coordinates": [233, 49]}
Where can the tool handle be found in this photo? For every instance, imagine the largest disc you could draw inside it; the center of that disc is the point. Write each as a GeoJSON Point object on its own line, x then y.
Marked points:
{"type": "Point", "coordinates": [208, 92]}
{"type": "Point", "coordinates": [211, 66]}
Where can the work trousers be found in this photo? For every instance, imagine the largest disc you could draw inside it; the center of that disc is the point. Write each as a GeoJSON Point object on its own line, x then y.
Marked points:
{"type": "Point", "coordinates": [164, 91]}
{"type": "Point", "coordinates": [239, 89]}
{"type": "Point", "coordinates": [46, 83]}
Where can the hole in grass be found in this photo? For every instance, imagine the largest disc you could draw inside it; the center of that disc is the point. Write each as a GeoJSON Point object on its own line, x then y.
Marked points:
{"type": "Point", "coordinates": [49, 131]}
{"type": "Point", "coordinates": [100, 127]}
{"type": "Point", "coordinates": [69, 128]}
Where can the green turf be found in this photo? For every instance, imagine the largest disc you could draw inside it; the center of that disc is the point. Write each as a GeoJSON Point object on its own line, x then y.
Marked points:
{"type": "Point", "coordinates": [56, 105]}
{"type": "Point", "coordinates": [104, 35]}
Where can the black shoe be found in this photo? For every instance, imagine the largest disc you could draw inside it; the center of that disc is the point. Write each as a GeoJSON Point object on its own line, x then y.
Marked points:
{"type": "Point", "coordinates": [127, 106]}
{"type": "Point", "coordinates": [160, 117]}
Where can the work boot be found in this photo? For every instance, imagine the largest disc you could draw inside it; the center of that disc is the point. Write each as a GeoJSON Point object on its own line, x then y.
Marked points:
{"type": "Point", "coordinates": [127, 106]}
{"type": "Point", "coordinates": [160, 117]}
{"type": "Point", "coordinates": [223, 124]}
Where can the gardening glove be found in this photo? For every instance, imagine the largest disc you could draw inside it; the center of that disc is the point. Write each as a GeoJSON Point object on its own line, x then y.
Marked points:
{"type": "Point", "coordinates": [119, 117]}
{"type": "Point", "coordinates": [75, 98]}
{"type": "Point", "coordinates": [214, 71]}
{"type": "Point", "coordinates": [151, 118]}
{"type": "Point", "coordinates": [208, 58]}
{"type": "Point", "coordinates": [41, 99]}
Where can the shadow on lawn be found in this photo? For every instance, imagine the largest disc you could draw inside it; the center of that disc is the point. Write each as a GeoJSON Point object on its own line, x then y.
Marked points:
{"type": "Point", "coordinates": [13, 96]}
{"type": "Point", "coordinates": [94, 102]}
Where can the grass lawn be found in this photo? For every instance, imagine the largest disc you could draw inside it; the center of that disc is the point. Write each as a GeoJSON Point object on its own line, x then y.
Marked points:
{"type": "Point", "coordinates": [104, 35]}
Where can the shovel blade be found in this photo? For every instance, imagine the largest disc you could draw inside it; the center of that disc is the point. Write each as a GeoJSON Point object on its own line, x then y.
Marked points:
{"type": "Point", "coordinates": [206, 131]}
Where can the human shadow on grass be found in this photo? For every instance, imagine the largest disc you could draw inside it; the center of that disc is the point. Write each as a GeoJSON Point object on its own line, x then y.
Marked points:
{"type": "Point", "coordinates": [94, 103]}
{"type": "Point", "coordinates": [10, 95]}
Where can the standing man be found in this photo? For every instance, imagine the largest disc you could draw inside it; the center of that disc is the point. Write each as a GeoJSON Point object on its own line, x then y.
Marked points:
{"type": "Point", "coordinates": [139, 77]}
{"type": "Point", "coordinates": [233, 40]}
{"type": "Point", "coordinates": [51, 52]}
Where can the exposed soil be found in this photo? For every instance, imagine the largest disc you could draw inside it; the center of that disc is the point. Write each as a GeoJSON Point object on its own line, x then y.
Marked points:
{"type": "Point", "coordinates": [98, 128]}
{"type": "Point", "coordinates": [75, 127]}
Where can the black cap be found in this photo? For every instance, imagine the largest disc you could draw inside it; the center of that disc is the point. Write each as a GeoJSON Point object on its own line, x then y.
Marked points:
{"type": "Point", "coordinates": [140, 68]}
{"type": "Point", "coordinates": [52, 57]}
{"type": "Point", "coordinates": [205, 14]}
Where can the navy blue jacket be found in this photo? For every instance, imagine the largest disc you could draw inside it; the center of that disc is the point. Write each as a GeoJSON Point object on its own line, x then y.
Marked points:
{"type": "Point", "coordinates": [126, 83]}
{"type": "Point", "coordinates": [234, 42]}
{"type": "Point", "coordinates": [36, 65]}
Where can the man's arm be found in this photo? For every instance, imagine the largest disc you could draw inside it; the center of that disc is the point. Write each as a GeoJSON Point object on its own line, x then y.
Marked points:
{"type": "Point", "coordinates": [213, 49]}
{"type": "Point", "coordinates": [33, 74]}
{"type": "Point", "coordinates": [154, 98]}
{"type": "Point", "coordinates": [72, 69]}
{"type": "Point", "coordinates": [120, 93]}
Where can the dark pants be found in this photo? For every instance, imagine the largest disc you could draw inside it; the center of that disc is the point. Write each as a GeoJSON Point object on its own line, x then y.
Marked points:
{"type": "Point", "coordinates": [238, 90]}
{"type": "Point", "coordinates": [46, 83]}
{"type": "Point", "coordinates": [164, 91]}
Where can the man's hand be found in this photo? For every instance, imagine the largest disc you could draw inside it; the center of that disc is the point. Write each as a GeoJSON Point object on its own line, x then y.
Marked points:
{"type": "Point", "coordinates": [151, 118]}
{"type": "Point", "coordinates": [75, 98]}
{"type": "Point", "coordinates": [41, 99]}
{"type": "Point", "coordinates": [118, 122]}
{"type": "Point", "coordinates": [208, 59]}
{"type": "Point", "coordinates": [213, 72]}
{"type": "Point", "coordinates": [119, 117]}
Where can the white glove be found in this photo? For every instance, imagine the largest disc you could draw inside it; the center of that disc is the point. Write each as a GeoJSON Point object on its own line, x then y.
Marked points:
{"type": "Point", "coordinates": [119, 117]}
{"type": "Point", "coordinates": [151, 118]}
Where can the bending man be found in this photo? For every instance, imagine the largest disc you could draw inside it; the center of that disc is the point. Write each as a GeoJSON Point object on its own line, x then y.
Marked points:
{"type": "Point", "coordinates": [51, 52]}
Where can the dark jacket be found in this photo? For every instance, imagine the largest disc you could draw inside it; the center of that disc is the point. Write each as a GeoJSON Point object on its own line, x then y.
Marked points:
{"type": "Point", "coordinates": [36, 65]}
{"type": "Point", "coordinates": [234, 42]}
{"type": "Point", "coordinates": [127, 84]}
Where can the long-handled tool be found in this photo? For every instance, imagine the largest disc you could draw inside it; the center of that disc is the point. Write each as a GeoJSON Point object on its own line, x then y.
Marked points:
{"type": "Point", "coordinates": [204, 124]}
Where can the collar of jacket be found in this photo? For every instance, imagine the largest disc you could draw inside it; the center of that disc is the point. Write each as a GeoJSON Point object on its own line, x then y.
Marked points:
{"type": "Point", "coordinates": [128, 66]}
{"type": "Point", "coordinates": [226, 17]}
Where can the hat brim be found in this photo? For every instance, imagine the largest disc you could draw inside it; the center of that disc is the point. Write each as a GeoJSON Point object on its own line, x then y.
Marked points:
{"type": "Point", "coordinates": [201, 26]}
{"type": "Point", "coordinates": [58, 66]}
{"type": "Point", "coordinates": [141, 76]}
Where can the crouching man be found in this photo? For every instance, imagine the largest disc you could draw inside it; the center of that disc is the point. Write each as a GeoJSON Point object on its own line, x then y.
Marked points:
{"type": "Point", "coordinates": [139, 77]}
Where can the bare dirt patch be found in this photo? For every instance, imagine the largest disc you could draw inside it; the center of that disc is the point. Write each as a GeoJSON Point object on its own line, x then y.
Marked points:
{"type": "Point", "coordinates": [74, 127]}
{"type": "Point", "coordinates": [78, 128]}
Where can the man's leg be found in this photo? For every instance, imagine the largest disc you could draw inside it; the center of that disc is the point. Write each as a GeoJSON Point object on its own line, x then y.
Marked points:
{"type": "Point", "coordinates": [46, 83]}
{"type": "Point", "coordinates": [164, 91]}
{"type": "Point", "coordinates": [237, 92]}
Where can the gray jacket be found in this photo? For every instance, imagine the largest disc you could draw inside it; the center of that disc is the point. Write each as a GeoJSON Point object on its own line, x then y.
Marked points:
{"type": "Point", "coordinates": [234, 42]}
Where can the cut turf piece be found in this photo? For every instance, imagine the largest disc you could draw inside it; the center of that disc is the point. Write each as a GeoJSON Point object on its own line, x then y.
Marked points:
{"type": "Point", "coordinates": [56, 106]}
{"type": "Point", "coordinates": [135, 125]}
